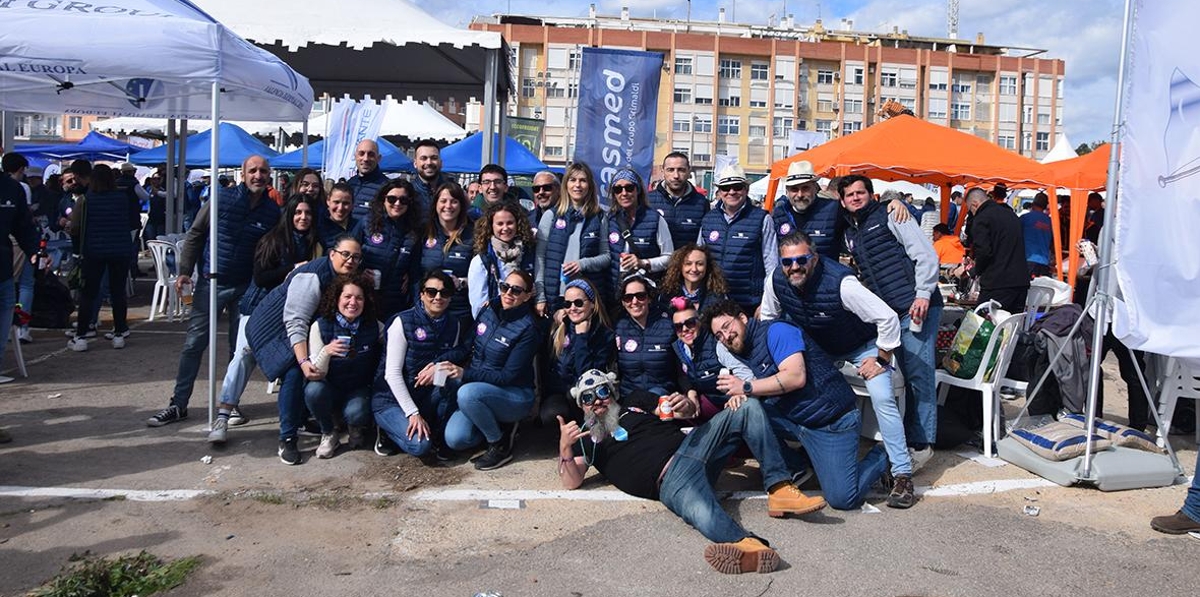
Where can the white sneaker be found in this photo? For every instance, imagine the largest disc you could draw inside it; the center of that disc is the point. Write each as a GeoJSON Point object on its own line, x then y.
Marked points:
{"type": "Point", "coordinates": [329, 445]}
{"type": "Point", "coordinates": [111, 335]}
{"type": "Point", "coordinates": [23, 335]}
{"type": "Point", "coordinates": [6, 379]}
{"type": "Point", "coordinates": [77, 344]}
{"type": "Point", "coordinates": [118, 342]}
{"type": "Point", "coordinates": [217, 435]}
{"type": "Point", "coordinates": [920, 457]}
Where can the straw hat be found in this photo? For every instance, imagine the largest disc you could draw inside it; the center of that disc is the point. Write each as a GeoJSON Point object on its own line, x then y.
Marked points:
{"type": "Point", "coordinates": [127, 167]}
{"type": "Point", "coordinates": [799, 173]}
{"type": "Point", "coordinates": [731, 175]}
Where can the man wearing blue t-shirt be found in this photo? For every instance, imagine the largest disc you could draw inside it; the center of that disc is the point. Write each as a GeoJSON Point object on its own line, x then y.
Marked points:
{"type": "Point", "coordinates": [1036, 226]}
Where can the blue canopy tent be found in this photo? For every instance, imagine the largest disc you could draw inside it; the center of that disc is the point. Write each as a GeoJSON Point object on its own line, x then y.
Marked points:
{"type": "Point", "coordinates": [234, 146]}
{"type": "Point", "coordinates": [391, 159]}
{"type": "Point", "coordinates": [92, 147]}
{"type": "Point", "coordinates": [464, 156]}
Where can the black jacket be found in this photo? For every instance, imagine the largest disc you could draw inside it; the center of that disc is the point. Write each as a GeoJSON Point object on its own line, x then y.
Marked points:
{"type": "Point", "coordinates": [999, 246]}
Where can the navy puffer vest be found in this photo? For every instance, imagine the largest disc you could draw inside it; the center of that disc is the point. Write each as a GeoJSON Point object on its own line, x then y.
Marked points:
{"type": "Point", "coordinates": [703, 366]}
{"type": "Point", "coordinates": [591, 244]}
{"type": "Point", "coordinates": [365, 188]}
{"type": "Point", "coordinates": [106, 225]}
{"type": "Point", "coordinates": [354, 370]}
{"type": "Point", "coordinates": [886, 268]}
{"type": "Point", "coordinates": [492, 266]}
{"type": "Point", "coordinates": [737, 247]}
{"type": "Point", "coordinates": [581, 352]}
{"type": "Point", "coordinates": [683, 215]}
{"type": "Point", "coordinates": [239, 228]}
{"type": "Point", "coordinates": [395, 252]}
{"type": "Point", "coordinates": [820, 222]}
{"type": "Point", "coordinates": [266, 331]}
{"type": "Point", "coordinates": [455, 261]}
{"type": "Point", "coordinates": [818, 308]}
{"type": "Point", "coordinates": [497, 333]}
{"type": "Point", "coordinates": [644, 356]}
{"type": "Point", "coordinates": [641, 240]}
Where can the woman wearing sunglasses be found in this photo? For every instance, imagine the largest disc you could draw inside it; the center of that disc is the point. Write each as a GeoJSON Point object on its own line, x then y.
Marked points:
{"type": "Point", "coordinates": [278, 334]}
{"type": "Point", "coordinates": [448, 239]}
{"type": "Point", "coordinates": [571, 241]}
{"type": "Point", "coordinates": [582, 340]}
{"type": "Point", "coordinates": [391, 245]}
{"type": "Point", "coordinates": [344, 345]}
{"type": "Point", "coordinates": [410, 406]}
{"type": "Point", "coordinates": [693, 275]}
{"type": "Point", "coordinates": [638, 238]}
{"type": "Point", "coordinates": [497, 387]}
{"type": "Point", "coordinates": [643, 339]}
{"type": "Point", "coordinates": [504, 243]}
{"type": "Point", "coordinates": [696, 349]}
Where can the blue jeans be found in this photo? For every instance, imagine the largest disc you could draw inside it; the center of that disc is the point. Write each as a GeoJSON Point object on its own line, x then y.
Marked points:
{"type": "Point", "coordinates": [1191, 504]}
{"type": "Point", "coordinates": [291, 402]}
{"type": "Point", "coordinates": [917, 362]}
{"type": "Point", "coordinates": [25, 288]}
{"type": "Point", "coordinates": [324, 398]}
{"type": "Point", "coordinates": [687, 485]}
{"type": "Point", "coordinates": [8, 299]}
{"type": "Point", "coordinates": [196, 341]}
{"type": "Point", "coordinates": [237, 374]}
{"type": "Point", "coordinates": [887, 411]}
{"type": "Point", "coordinates": [433, 404]}
{"type": "Point", "coordinates": [833, 451]}
{"type": "Point", "coordinates": [481, 409]}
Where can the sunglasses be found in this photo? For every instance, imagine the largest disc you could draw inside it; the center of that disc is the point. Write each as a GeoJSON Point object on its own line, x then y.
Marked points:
{"type": "Point", "coordinates": [506, 288]}
{"type": "Point", "coordinates": [431, 292]}
{"type": "Point", "coordinates": [687, 324]}
{"type": "Point", "coordinates": [577, 303]}
{"type": "Point", "coordinates": [348, 256]}
{"type": "Point", "coordinates": [401, 199]}
{"type": "Point", "coordinates": [731, 188]}
{"type": "Point", "coordinates": [591, 396]}
{"type": "Point", "coordinates": [801, 261]}
{"type": "Point", "coordinates": [543, 188]}
{"type": "Point", "coordinates": [624, 188]}
{"type": "Point", "coordinates": [629, 297]}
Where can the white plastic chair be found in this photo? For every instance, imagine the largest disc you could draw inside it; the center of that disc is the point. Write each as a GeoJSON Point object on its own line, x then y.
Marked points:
{"type": "Point", "coordinates": [870, 424]}
{"type": "Point", "coordinates": [1000, 345]}
{"type": "Point", "coordinates": [1181, 381]}
{"type": "Point", "coordinates": [165, 299]}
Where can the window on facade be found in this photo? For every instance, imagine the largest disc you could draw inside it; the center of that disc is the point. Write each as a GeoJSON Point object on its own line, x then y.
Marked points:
{"type": "Point", "coordinates": [729, 125]}
{"type": "Point", "coordinates": [783, 97]}
{"type": "Point", "coordinates": [758, 97]}
{"type": "Point", "coordinates": [937, 80]}
{"type": "Point", "coordinates": [528, 89]}
{"type": "Point", "coordinates": [824, 102]}
{"type": "Point", "coordinates": [960, 111]}
{"type": "Point", "coordinates": [854, 106]}
{"type": "Point", "coordinates": [851, 127]}
{"type": "Point", "coordinates": [1007, 141]}
{"type": "Point", "coordinates": [889, 77]}
{"type": "Point", "coordinates": [704, 95]}
{"type": "Point", "coordinates": [909, 102]}
{"type": "Point", "coordinates": [908, 78]}
{"type": "Point", "coordinates": [1026, 138]}
{"type": "Point", "coordinates": [730, 100]}
{"type": "Point", "coordinates": [758, 130]}
{"type": "Point", "coordinates": [702, 158]}
{"type": "Point", "coordinates": [75, 123]}
{"type": "Point", "coordinates": [856, 77]}
{"type": "Point", "coordinates": [572, 89]}
{"type": "Point", "coordinates": [731, 69]}
{"type": "Point", "coordinates": [1008, 85]}
{"type": "Point", "coordinates": [760, 71]}
{"type": "Point", "coordinates": [1008, 112]}
{"type": "Point", "coordinates": [785, 68]}
{"type": "Point", "coordinates": [1043, 115]}
{"type": "Point", "coordinates": [553, 151]}
{"type": "Point", "coordinates": [553, 91]}
{"type": "Point", "coordinates": [683, 65]}
{"type": "Point", "coordinates": [1043, 141]}
{"type": "Point", "coordinates": [1027, 117]}
{"type": "Point", "coordinates": [824, 126]}
{"type": "Point", "coordinates": [574, 59]}
{"type": "Point", "coordinates": [682, 124]}
{"type": "Point", "coordinates": [781, 127]}
{"type": "Point", "coordinates": [937, 108]}
{"type": "Point", "coordinates": [961, 87]}
{"type": "Point", "coordinates": [683, 95]}
{"type": "Point", "coordinates": [702, 124]}
{"type": "Point", "coordinates": [556, 58]}
{"type": "Point", "coordinates": [824, 77]}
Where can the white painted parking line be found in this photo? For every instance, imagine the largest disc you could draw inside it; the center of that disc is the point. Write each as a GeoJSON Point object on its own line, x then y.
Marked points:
{"type": "Point", "coordinates": [136, 495]}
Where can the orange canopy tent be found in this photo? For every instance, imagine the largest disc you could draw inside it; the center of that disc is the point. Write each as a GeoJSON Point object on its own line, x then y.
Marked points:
{"type": "Point", "coordinates": [1088, 172]}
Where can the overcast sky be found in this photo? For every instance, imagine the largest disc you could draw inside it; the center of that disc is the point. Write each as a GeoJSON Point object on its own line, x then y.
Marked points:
{"type": "Point", "coordinates": [1086, 34]}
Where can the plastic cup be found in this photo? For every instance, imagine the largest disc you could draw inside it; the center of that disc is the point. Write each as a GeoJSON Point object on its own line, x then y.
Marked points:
{"type": "Point", "coordinates": [439, 376]}
{"type": "Point", "coordinates": [346, 340]}
{"type": "Point", "coordinates": [915, 325]}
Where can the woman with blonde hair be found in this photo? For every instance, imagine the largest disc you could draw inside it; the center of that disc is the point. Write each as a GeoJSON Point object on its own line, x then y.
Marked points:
{"type": "Point", "coordinates": [582, 339]}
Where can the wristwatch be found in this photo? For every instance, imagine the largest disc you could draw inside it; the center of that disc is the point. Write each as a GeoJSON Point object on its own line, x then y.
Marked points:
{"type": "Point", "coordinates": [746, 388]}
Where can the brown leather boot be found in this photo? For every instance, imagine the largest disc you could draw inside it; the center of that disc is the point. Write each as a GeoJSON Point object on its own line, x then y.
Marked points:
{"type": "Point", "coordinates": [748, 555]}
{"type": "Point", "coordinates": [1175, 524]}
{"type": "Point", "coordinates": [784, 499]}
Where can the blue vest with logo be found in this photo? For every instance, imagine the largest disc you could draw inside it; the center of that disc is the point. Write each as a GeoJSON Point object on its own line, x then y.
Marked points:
{"type": "Point", "coordinates": [455, 261]}
{"type": "Point", "coordinates": [395, 252]}
{"type": "Point", "coordinates": [818, 308]}
{"type": "Point", "coordinates": [737, 247]}
{"type": "Point", "coordinates": [328, 231]}
{"type": "Point", "coordinates": [497, 331]}
{"type": "Point", "coordinates": [425, 198]}
{"type": "Point", "coordinates": [641, 240]}
{"type": "Point", "coordinates": [885, 266]}
{"type": "Point", "coordinates": [492, 266]}
{"type": "Point", "coordinates": [581, 352]}
{"type": "Point", "coordinates": [105, 226]}
{"type": "Point", "coordinates": [428, 341]}
{"type": "Point", "coordinates": [239, 229]}
{"type": "Point", "coordinates": [820, 222]}
{"type": "Point", "coordinates": [644, 356]}
{"type": "Point", "coordinates": [354, 370]}
{"type": "Point", "coordinates": [825, 396]}
{"type": "Point", "coordinates": [683, 215]}
{"type": "Point", "coordinates": [703, 366]}
{"type": "Point", "coordinates": [365, 188]}
{"type": "Point", "coordinates": [266, 331]}
{"type": "Point", "coordinates": [591, 244]}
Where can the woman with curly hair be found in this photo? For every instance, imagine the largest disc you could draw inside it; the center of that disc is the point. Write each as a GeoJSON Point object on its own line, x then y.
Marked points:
{"type": "Point", "coordinates": [504, 243]}
{"type": "Point", "coordinates": [344, 345]}
{"type": "Point", "coordinates": [693, 275]}
{"type": "Point", "coordinates": [391, 245]}
{"type": "Point", "coordinates": [448, 243]}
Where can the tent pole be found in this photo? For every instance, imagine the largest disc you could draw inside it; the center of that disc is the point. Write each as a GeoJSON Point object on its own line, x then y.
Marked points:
{"type": "Point", "coordinates": [214, 194]}
{"type": "Point", "coordinates": [502, 141]}
{"type": "Point", "coordinates": [169, 180]}
{"type": "Point", "coordinates": [304, 143]}
{"type": "Point", "coordinates": [181, 175]}
{"type": "Point", "coordinates": [1102, 283]}
{"type": "Point", "coordinates": [487, 124]}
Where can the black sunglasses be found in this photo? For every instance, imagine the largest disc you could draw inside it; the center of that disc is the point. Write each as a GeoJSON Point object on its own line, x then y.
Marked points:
{"type": "Point", "coordinates": [732, 187]}
{"type": "Point", "coordinates": [431, 292]}
{"type": "Point", "coordinates": [577, 303]}
{"type": "Point", "coordinates": [538, 188]}
{"type": "Point", "coordinates": [591, 396]}
{"type": "Point", "coordinates": [801, 261]}
{"type": "Point", "coordinates": [506, 288]}
{"type": "Point", "coordinates": [629, 297]}
{"type": "Point", "coordinates": [687, 324]}
{"type": "Point", "coordinates": [624, 188]}
{"type": "Point", "coordinates": [401, 199]}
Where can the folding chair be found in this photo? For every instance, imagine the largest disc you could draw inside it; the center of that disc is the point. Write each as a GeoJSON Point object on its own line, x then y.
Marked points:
{"type": "Point", "coordinates": [1000, 347]}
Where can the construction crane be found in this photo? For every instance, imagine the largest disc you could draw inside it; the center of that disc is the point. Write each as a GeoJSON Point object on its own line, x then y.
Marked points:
{"type": "Point", "coordinates": [952, 19]}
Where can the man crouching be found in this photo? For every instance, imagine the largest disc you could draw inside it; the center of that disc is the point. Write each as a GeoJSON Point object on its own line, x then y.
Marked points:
{"type": "Point", "coordinates": [650, 458]}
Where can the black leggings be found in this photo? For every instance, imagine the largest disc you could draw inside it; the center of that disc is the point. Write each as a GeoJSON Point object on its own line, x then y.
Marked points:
{"type": "Point", "coordinates": [93, 271]}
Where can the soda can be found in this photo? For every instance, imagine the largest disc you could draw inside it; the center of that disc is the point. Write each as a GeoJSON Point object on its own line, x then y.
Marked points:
{"type": "Point", "coordinates": [665, 412]}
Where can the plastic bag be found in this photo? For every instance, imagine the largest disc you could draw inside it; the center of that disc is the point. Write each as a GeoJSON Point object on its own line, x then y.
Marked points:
{"type": "Point", "coordinates": [966, 351]}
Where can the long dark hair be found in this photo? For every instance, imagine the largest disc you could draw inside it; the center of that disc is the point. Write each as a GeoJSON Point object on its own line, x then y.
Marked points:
{"type": "Point", "coordinates": [277, 243]}
{"type": "Point", "coordinates": [412, 215]}
{"type": "Point", "coordinates": [329, 299]}
{"type": "Point", "coordinates": [462, 221]}
{"type": "Point", "coordinates": [102, 180]}
{"type": "Point", "coordinates": [300, 174]}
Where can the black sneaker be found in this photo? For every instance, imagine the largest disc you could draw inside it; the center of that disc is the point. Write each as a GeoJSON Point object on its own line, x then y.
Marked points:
{"type": "Point", "coordinates": [384, 446]}
{"type": "Point", "coordinates": [495, 457]}
{"type": "Point", "coordinates": [166, 416]}
{"type": "Point", "coordinates": [310, 428]}
{"type": "Point", "coordinates": [288, 452]}
{"type": "Point", "coordinates": [902, 495]}
{"type": "Point", "coordinates": [443, 453]}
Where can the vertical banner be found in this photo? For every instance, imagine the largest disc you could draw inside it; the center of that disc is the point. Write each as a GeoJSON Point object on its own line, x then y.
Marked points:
{"type": "Point", "coordinates": [618, 105]}
{"type": "Point", "coordinates": [349, 122]}
{"type": "Point", "coordinates": [527, 132]}
{"type": "Point", "coordinates": [1157, 250]}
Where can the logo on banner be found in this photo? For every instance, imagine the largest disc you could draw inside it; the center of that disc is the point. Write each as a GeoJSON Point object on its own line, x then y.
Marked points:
{"type": "Point", "coordinates": [144, 94]}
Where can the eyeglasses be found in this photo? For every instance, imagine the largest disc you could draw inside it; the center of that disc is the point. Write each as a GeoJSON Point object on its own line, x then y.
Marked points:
{"type": "Point", "coordinates": [731, 188]}
{"type": "Point", "coordinates": [629, 297]}
{"type": "Point", "coordinates": [348, 256]}
{"type": "Point", "coordinates": [506, 288]}
{"type": "Point", "coordinates": [431, 292]}
{"type": "Point", "coordinates": [687, 324]}
{"type": "Point", "coordinates": [723, 333]}
{"type": "Point", "coordinates": [577, 303]}
{"type": "Point", "coordinates": [543, 188]}
{"type": "Point", "coordinates": [591, 396]}
{"type": "Point", "coordinates": [492, 182]}
{"type": "Point", "coordinates": [401, 199]}
{"type": "Point", "coordinates": [624, 188]}
{"type": "Point", "coordinates": [800, 261]}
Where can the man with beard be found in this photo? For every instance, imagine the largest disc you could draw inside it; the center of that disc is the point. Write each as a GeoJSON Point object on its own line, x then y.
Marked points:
{"type": "Point", "coordinates": [803, 394]}
{"type": "Point", "coordinates": [245, 214]}
{"type": "Point", "coordinates": [677, 200]}
{"type": "Point", "coordinates": [648, 457]}
{"type": "Point", "coordinates": [369, 179]}
{"type": "Point", "coordinates": [545, 196]}
{"type": "Point", "coordinates": [427, 159]}
{"type": "Point", "coordinates": [807, 212]}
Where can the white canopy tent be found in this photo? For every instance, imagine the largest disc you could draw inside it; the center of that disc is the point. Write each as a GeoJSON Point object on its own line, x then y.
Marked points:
{"type": "Point", "coordinates": [1062, 150]}
{"type": "Point", "coordinates": [147, 58]}
{"type": "Point", "coordinates": [132, 125]}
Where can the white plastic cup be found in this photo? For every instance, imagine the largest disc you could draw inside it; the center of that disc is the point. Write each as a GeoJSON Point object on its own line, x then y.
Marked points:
{"type": "Point", "coordinates": [345, 339]}
{"type": "Point", "coordinates": [724, 371]}
{"type": "Point", "coordinates": [439, 376]}
{"type": "Point", "coordinates": [915, 325]}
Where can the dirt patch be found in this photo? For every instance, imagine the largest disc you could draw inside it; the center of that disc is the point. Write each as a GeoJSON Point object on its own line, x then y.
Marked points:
{"type": "Point", "coordinates": [404, 474]}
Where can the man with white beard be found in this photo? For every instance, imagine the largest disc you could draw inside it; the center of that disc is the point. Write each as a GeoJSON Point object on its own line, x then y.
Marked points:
{"type": "Point", "coordinates": [648, 457]}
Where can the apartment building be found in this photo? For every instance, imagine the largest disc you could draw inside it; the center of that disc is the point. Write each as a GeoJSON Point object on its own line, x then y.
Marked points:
{"type": "Point", "coordinates": [740, 89]}
{"type": "Point", "coordinates": [37, 127]}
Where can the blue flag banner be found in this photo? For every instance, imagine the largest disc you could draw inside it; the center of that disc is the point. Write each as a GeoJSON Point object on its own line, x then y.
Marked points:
{"type": "Point", "coordinates": [618, 105]}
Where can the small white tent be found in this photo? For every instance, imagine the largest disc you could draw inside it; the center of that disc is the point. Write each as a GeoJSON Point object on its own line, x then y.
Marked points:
{"type": "Point", "coordinates": [1062, 150]}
